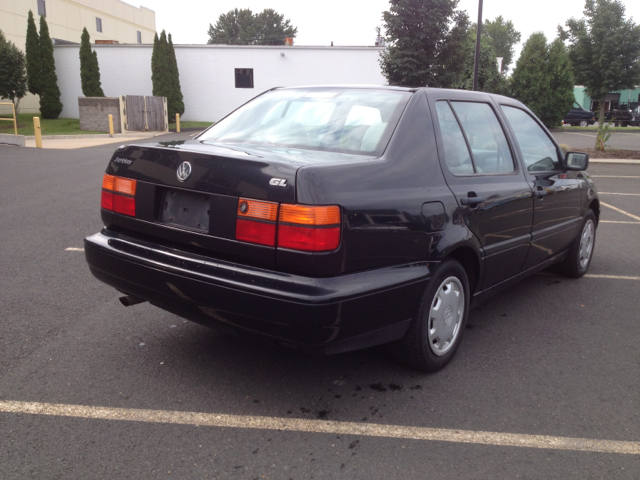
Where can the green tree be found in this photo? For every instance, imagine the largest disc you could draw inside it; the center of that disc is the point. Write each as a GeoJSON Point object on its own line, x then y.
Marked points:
{"type": "Point", "coordinates": [502, 36]}
{"type": "Point", "coordinates": [13, 74]}
{"type": "Point", "coordinates": [489, 78]}
{"type": "Point", "coordinates": [604, 49]}
{"type": "Point", "coordinates": [32, 52]}
{"type": "Point", "coordinates": [165, 77]}
{"type": "Point", "coordinates": [424, 39]}
{"type": "Point", "coordinates": [243, 27]}
{"type": "Point", "coordinates": [175, 102]}
{"type": "Point", "coordinates": [543, 79]}
{"type": "Point", "coordinates": [50, 104]}
{"type": "Point", "coordinates": [89, 69]}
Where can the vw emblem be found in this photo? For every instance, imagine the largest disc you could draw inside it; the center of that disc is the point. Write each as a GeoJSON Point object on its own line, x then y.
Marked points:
{"type": "Point", "coordinates": [183, 172]}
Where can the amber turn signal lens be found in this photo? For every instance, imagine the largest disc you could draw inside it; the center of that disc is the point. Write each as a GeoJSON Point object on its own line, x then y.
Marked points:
{"type": "Point", "coordinates": [307, 215]}
{"type": "Point", "coordinates": [258, 210]}
{"type": "Point", "coordinates": [107, 182]}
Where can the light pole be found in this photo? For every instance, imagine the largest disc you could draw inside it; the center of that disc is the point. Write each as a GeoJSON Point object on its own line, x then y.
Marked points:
{"type": "Point", "coordinates": [476, 64]}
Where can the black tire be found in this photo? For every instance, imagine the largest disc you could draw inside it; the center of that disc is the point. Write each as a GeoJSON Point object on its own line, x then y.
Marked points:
{"type": "Point", "coordinates": [584, 123]}
{"type": "Point", "coordinates": [424, 347]}
{"type": "Point", "coordinates": [579, 257]}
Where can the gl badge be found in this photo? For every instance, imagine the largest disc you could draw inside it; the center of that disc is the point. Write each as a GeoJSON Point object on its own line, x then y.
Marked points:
{"type": "Point", "coordinates": [278, 182]}
{"type": "Point", "coordinates": [183, 172]}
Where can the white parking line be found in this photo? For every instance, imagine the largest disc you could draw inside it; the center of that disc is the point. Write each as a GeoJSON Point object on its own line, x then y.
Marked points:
{"type": "Point", "coordinates": [73, 249]}
{"type": "Point", "coordinates": [324, 426]}
{"type": "Point", "coordinates": [617, 221]}
{"type": "Point", "coordinates": [611, 193]}
{"type": "Point", "coordinates": [614, 176]}
{"type": "Point", "coordinates": [619, 210]}
{"type": "Point", "coordinates": [582, 134]}
{"type": "Point", "coordinates": [613, 277]}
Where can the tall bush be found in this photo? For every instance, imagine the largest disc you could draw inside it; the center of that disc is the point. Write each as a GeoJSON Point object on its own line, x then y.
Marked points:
{"type": "Point", "coordinates": [50, 104]}
{"type": "Point", "coordinates": [13, 75]}
{"type": "Point", "coordinates": [32, 56]}
{"type": "Point", "coordinates": [165, 77]}
{"type": "Point", "coordinates": [89, 68]}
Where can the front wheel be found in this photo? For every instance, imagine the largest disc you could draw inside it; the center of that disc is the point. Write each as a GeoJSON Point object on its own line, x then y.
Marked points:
{"type": "Point", "coordinates": [579, 257]}
{"type": "Point", "coordinates": [436, 332]}
{"type": "Point", "coordinates": [584, 123]}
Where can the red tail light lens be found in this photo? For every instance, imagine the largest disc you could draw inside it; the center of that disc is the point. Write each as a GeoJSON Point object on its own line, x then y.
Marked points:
{"type": "Point", "coordinates": [256, 222]}
{"type": "Point", "coordinates": [119, 195]}
{"type": "Point", "coordinates": [309, 228]}
{"type": "Point", "coordinates": [308, 239]}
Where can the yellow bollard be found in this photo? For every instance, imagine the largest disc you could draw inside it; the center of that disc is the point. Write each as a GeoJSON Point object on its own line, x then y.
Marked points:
{"type": "Point", "coordinates": [177, 123]}
{"type": "Point", "coordinates": [110, 125]}
{"type": "Point", "coordinates": [38, 131]}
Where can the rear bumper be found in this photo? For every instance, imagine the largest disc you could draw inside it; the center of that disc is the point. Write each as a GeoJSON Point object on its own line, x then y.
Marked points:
{"type": "Point", "coordinates": [331, 315]}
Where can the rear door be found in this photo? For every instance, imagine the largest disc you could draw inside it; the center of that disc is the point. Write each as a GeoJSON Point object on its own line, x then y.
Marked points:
{"type": "Point", "coordinates": [480, 168]}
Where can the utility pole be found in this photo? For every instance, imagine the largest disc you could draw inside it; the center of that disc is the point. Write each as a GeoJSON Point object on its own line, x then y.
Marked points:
{"type": "Point", "coordinates": [476, 64]}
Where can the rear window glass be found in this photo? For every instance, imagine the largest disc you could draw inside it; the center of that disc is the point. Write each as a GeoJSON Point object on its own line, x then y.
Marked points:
{"type": "Point", "coordinates": [331, 119]}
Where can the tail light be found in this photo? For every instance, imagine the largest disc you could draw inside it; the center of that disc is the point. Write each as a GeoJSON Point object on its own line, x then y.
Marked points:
{"type": "Point", "coordinates": [299, 227]}
{"type": "Point", "coordinates": [309, 228]}
{"type": "Point", "coordinates": [119, 195]}
{"type": "Point", "coordinates": [256, 222]}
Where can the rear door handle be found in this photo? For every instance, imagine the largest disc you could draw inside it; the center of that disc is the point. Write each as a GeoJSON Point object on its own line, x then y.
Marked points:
{"type": "Point", "coordinates": [541, 192]}
{"type": "Point", "coordinates": [471, 201]}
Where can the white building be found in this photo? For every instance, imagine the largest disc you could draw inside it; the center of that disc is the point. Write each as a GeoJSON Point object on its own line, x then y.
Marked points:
{"type": "Point", "coordinates": [105, 20]}
{"type": "Point", "coordinates": [216, 79]}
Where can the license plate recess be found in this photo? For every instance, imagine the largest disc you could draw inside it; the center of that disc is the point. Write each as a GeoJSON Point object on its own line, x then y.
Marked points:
{"type": "Point", "coordinates": [186, 209]}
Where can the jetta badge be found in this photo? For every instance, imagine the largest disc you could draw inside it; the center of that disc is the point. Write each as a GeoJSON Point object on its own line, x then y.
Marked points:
{"type": "Point", "coordinates": [183, 172]}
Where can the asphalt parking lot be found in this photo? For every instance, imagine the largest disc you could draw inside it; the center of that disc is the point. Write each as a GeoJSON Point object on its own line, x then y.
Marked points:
{"type": "Point", "coordinates": [545, 385]}
{"type": "Point", "coordinates": [586, 139]}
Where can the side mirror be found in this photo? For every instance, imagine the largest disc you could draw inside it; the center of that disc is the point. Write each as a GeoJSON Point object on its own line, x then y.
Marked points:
{"type": "Point", "coordinates": [576, 161]}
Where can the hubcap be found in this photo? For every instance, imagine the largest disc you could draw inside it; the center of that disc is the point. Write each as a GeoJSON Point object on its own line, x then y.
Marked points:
{"type": "Point", "coordinates": [586, 243]}
{"type": "Point", "coordinates": [445, 316]}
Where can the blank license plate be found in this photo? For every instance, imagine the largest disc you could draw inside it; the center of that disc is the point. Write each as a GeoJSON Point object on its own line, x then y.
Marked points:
{"type": "Point", "coordinates": [187, 209]}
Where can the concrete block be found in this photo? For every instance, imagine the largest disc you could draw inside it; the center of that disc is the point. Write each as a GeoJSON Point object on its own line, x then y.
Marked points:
{"type": "Point", "coordinates": [94, 113]}
{"type": "Point", "coordinates": [12, 139]}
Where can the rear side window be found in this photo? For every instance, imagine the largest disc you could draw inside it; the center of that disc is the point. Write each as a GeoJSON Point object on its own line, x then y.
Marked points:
{"type": "Point", "coordinates": [478, 125]}
{"type": "Point", "coordinates": [538, 151]}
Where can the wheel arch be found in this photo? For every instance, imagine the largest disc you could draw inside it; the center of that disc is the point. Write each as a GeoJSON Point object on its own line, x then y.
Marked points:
{"type": "Point", "coordinates": [471, 264]}
{"type": "Point", "coordinates": [595, 206]}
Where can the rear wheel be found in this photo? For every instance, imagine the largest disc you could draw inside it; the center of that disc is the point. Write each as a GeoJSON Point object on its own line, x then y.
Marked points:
{"type": "Point", "coordinates": [436, 332]}
{"type": "Point", "coordinates": [579, 257]}
{"type": "Point", "coordinates": [584, 123]}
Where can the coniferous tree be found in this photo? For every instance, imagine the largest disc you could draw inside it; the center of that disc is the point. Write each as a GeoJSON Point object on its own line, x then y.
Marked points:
{"type": "Point", "coordinates": [543, 79]}
{"type": "Point", "coordinates": [50, 104]}
{"type": "Point", "coordinates": [176, 100]}
{"type": "Point", "coordinates": [89, 68]}
{"type": "Point", "coordinates": [155, 69]}
{"type": "Point", "coordinates": [32, 54]}
{"type": "Point", "coordinates": [424, 38]}
{"type": "Point", "coordinates": [13, 75]}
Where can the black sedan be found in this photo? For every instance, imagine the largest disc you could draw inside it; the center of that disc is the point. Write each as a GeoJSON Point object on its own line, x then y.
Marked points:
{"type": "Point", "coordinates": [338, 218]}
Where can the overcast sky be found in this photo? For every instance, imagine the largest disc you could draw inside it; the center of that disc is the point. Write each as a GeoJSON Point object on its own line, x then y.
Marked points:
{"type": "Point", "coordinates": [353, 22]}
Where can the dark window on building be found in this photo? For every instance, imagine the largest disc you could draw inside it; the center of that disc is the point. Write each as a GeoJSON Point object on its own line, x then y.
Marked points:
{"type": "Point", "coordinates": [139, 37]}
{"type": "Point", "coordinates": [42, 8]}
{"type": "Point", "coordinates": [244, 77]}
{"type": "Point", "coordinates": [98, 24]}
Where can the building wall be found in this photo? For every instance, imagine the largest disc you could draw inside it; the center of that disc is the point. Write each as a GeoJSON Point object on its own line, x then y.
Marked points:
{"type": "Point", "coordinates": [67, 18]}
{"type": "Point", "coordinates": [612, 99]}
{"type": "Point", "coordinates": [207, 72]}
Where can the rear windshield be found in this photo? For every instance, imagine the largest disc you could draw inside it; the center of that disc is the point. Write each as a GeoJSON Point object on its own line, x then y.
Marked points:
{"type": "Point", "coordinates": [358, 121]}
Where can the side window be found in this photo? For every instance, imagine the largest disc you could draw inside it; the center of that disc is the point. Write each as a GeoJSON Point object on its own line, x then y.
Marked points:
{"type": "Point", "coordinates": [456, 153]}
{"type": "Point", "coordinates": [486, 138]}
{"type": "Point", "coordinates": [538, 151]}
